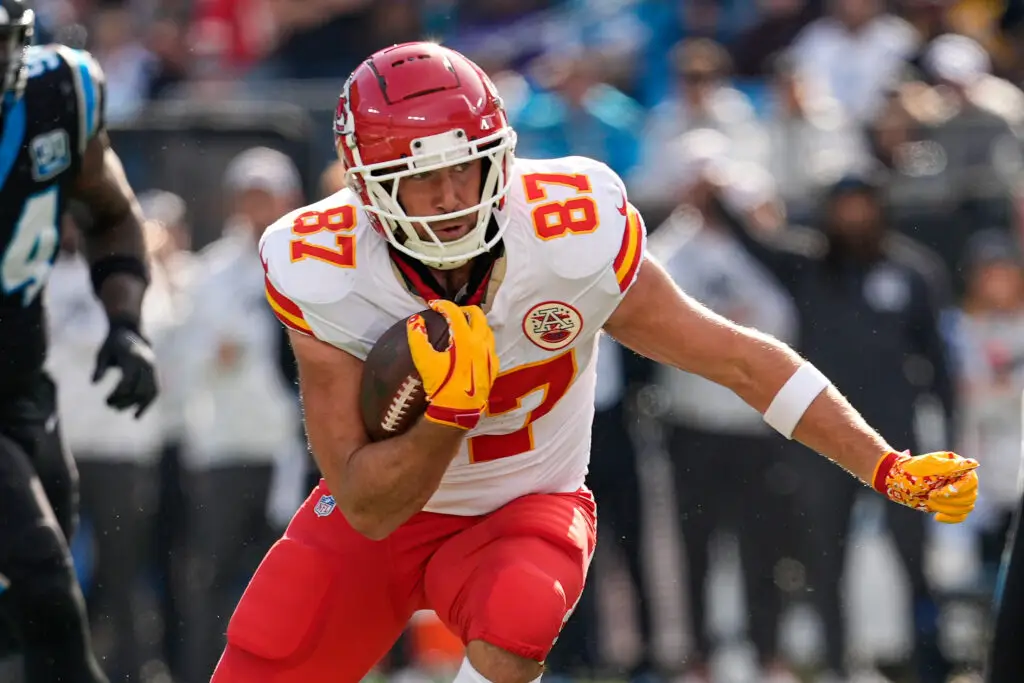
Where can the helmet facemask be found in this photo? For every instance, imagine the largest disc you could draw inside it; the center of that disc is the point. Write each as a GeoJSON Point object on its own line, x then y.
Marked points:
{"type": "Point", "coordinates": [378, 185]}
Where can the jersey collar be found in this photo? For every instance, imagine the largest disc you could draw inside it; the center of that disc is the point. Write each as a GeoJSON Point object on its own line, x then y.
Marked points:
{"type": "Point", "coordinates": [420, 280]}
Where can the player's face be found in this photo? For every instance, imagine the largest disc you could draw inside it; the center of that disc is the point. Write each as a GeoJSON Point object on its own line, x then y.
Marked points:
{"type": "Point", "coordinates": [445, 190]}
{"type": "Point", "coordinates": [261, 207]}
{"type": "Point", "coordinates": [998, 286]}
{"type": "Point", "coordinates": [855, 218]}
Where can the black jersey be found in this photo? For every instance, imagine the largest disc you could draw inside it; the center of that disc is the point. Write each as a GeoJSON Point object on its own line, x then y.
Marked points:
{"type": "Point", "coordinates": [43, 137]}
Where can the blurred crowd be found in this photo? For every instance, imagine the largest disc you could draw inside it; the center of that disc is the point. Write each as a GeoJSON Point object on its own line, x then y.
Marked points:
{"type": "Point", "coordinates": [843, 174]}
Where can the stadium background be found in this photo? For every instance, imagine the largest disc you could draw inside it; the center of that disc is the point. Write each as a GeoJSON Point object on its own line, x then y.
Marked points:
{"type": "Point", "coordinates": [192, 85]}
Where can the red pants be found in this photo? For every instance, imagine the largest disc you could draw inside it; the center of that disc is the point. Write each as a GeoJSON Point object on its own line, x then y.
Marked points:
{"type": "Point", "coordinates": [328, 602]}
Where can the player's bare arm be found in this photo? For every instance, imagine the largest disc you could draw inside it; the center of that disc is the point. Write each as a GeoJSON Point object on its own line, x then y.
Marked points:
{"type": "Point", "coordinates": [657, 320]}
{"type": "Point", "coordinates": [377, 486]}
{"type": "Point", "coordinates": [115, 231]}
{"type": "Point", "coordinates": [115, 248]}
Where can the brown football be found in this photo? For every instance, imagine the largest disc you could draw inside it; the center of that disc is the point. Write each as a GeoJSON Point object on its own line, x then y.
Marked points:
{"type": "Point", "coordinates": [391, 396]}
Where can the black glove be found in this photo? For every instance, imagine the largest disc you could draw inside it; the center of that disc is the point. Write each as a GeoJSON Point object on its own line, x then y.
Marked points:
{"type": "Point", "coordinates": [127, 349]}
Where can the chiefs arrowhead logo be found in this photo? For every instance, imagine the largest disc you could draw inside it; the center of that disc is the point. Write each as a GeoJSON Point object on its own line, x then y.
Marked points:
{"type": "Point", "coordinates": [552, 325]}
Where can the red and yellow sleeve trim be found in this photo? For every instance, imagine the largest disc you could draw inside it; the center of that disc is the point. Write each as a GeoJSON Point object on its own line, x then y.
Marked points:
{"type": "Point", "coordinates": [631, 253]}
{"type": "Point", "coordinates": [286, 310]}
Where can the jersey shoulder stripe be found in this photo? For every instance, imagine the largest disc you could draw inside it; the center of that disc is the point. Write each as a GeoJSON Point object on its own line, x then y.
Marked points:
{"type": "Point", "coordinates": [90, 85]}
{"type": "Point", "coordinates": [11, 138]}
{"type": "Point", "coordinates": [286, 310]}
{"type": "Point", "coordinates": [631, 252]}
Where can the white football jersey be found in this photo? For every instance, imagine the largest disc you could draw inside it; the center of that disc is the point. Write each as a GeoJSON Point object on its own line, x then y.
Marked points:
{"type": "Point", "coordinates": [573, 248]}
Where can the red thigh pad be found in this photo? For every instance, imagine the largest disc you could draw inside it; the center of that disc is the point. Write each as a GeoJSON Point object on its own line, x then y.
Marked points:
{"type": "Point", "coordinates": [513, 578]}
{"type": "Point", "coordinates": [283, 602]}
{"type": "Point", "coordinates": [324, 603]}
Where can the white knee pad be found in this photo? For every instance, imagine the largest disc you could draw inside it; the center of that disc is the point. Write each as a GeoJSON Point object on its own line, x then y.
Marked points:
{"type": "Point", "coordinates": [467, 674]}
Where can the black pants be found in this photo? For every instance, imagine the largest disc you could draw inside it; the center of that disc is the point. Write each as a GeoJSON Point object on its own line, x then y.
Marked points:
{"type": "Point", "coordinates": [745, 484]}
{"type": "Point", "coordinates": [228, 537]}
{"type": "Point", "coordinates": [170, 537]}
{"type": "Point", "coordinates": [1006, 656]}
{"type": "Point", "coordinates": [828, 497]}
{"type": "Point", "coordinates": [42, 613]}
{"type": "Point", "coordinates": [614, 481]}
{"type": "Point", "coordinates": [116, 500]}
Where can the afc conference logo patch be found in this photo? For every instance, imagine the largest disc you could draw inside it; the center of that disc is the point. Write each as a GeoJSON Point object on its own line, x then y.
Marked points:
{"type": "Point", "coordinates": [51, 154]}
{"type": "Point", "coordinates": [552, 325]}
{"type": "Point", "coordinates": [324, 506]}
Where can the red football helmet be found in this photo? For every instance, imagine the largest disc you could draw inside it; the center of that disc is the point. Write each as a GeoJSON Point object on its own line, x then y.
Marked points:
{"type": "Point", "coordinates": [414, 108]}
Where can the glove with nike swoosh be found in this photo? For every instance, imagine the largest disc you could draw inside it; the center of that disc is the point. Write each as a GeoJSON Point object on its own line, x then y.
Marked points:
{"type": "Point", "coordinates": [944, 484]}
{"type": "Point", "coordinates": [458, 379]}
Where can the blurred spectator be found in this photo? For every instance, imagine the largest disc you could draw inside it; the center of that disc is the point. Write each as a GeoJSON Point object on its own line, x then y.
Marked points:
{"type": "Point", "coordinates": [869, 320]}
{"type": "Point", "coordinates": [171, 264]}
{"type": "Point", "coordinates": [239, 414]}
{"type": "Point", "coordinates": [979, 117]}
{"type": "Point", "coordinates": [731, 473]}
{"type": "Point", "coordinates": [170, 65]}
{"type": "Point", "coordinates": [929, 19]}
{"type": "Point", "coordinates": [125, 61]}
{"type": "Point", "coordinates": [666, 22]}
{"type": "Point", "coordinates": [612, 476]}
{"type": "Point", "coordinates": [326, 39]}
{"type": "Point", "coordinates": [114, 451]}
{"type": "Point", "coordinates": [811, 141]}
{"type": "Point", "coordinates": [577, 114]}
{"type": "Point", "coordinates": [228, 37]}
{"type": "Point", "coordinates": [855, 52]}
{"type": "Point", "coordinates": [990, 344]}
{"type": "Point", "coordinates": [778, 23]}
{"type": "Point", "coordinates": [507, 32]}
{"type": "Point", "coordinates": [332, 180]}
{"type": "Point", "coordinates": [703, 100]}
{"type": "Point", "coordinates": [954, 144]}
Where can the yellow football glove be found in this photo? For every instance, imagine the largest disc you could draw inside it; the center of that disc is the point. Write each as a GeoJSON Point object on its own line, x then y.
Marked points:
{"type": "Point", "coordinates": [942, 483]}
{"type": "Point", "coordinates": [458, 379]}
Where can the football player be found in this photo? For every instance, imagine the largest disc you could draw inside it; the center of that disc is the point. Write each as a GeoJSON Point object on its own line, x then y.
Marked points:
{"type": "Point", "coordinates": [479, 511]}
{"type": "Point", "coordinates": [53, 148]}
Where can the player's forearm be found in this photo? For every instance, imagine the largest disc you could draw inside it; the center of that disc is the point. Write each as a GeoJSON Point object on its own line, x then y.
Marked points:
{"type": "Point", "coordinates": [830, 426]}
{"type": "Point", "coordinates": [383, 484]}
{"type": "Point", "coordinates": [115, 237]}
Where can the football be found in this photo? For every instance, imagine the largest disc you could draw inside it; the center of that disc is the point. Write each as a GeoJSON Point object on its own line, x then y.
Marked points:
{"type": "Point", "coordinates": [391, 396]}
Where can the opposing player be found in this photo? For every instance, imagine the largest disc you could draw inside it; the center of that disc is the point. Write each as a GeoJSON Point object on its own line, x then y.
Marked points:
{"type": "Point", "coordinates": [479, 511]}
{"type": "Point", "coordinates": [53, 147]}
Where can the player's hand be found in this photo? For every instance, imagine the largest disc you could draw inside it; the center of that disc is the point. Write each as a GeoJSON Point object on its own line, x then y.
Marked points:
{"type": "Point", "coordinates": [458, 379]}
{"type": "Point", "coordinates": [127, 350]}
{"type": "Point", "coordinates": [944, 484]}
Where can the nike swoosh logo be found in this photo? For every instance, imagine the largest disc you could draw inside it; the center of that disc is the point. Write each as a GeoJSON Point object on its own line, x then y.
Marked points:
{"type": "Point", "coordinates": [622, 209]}
{"type": "Point", "coordinates": [471, 392]}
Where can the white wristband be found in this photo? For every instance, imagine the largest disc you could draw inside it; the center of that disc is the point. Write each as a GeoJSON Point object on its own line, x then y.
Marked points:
{"type": "Point", "coordinates": [793, 399]}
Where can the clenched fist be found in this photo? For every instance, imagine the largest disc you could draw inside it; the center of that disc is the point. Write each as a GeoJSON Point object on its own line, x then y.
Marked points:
{"type": "Point", "coordinates": [944, 484]}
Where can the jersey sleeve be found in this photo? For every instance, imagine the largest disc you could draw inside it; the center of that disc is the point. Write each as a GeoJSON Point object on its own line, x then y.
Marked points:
{"type": "Point", "coordinates": [89, 84]}
{"type": "Point", "coordinates": [310, 296]}
{"type": "Point", "coordinates": [600, 261]}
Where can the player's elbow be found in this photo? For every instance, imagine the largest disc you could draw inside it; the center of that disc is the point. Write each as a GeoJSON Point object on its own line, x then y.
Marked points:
{"type": "Point", "coordinates": [366, 523]}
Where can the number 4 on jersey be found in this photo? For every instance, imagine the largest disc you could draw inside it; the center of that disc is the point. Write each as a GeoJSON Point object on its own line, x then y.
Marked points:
{"type": "Point", "coordinates": [29, 256]}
